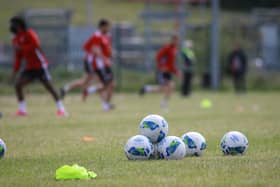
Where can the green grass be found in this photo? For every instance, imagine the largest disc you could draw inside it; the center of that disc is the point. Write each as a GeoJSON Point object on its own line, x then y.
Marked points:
{"type": "Point", "coordinates": [41, 142]}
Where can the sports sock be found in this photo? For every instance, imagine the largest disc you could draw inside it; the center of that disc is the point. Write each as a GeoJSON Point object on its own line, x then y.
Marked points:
{"type": "Point", "coordinates": [106, 106]}
{"type": "Point", "coordinates": [150, 88]}
{"type": "Point", "coordinates": [66, 88]}
{"type": "Point", "coordinates": [59, 105]}
{"type": "Point", "coordinates": [91, 89]}
{"type": "Point", "coordinates": [22, 106]}
{"type": "Point", "coordinates": [163, 103]}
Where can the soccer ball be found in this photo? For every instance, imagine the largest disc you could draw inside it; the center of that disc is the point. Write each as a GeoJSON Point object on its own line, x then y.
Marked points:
{"type": "Point", "coordinates": [138, 148]}
{"type": "Point", "coordinates": [234, 143]}
{"type": "Point", "coordinates": [2, 148]}
{"type": "Point", "coordinates": [154, 127]}
{"type": "Point", "coordinates": [172, 148]}
{"type": "Point", "coordinates": [195, 143]}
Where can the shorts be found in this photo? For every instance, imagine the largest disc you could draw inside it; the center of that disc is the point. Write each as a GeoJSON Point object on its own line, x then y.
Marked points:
{"type": "Point", "coordinates": [105, 75]}
{"type": "Point", "coordinates": [164, 77]}
{"type": "Point", "coordinates": [39, 74]}
{"type": "Point", "coordinates": [88, 68]}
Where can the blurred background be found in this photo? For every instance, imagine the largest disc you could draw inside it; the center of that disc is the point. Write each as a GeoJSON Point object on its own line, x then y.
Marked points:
{"type": "Point", "coordinates": [140, 27]}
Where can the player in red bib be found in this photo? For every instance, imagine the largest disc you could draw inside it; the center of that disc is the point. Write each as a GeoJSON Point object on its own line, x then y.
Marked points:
{"type": "Point", "coordinates": [97, 66]}
{"type": "Point", "coordinates": [166, 67]}
{"type": "Point", "coordinates": [27, 47]}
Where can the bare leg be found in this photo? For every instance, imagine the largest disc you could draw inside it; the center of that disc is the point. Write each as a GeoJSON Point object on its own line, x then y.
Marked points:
{"type": "Point", "coordinates": [22, 82]}
{"type": "Point", "coordinates": [167, 91]}
{"type": "Point", "coordinates": [49, 86]}
{"type": "Point", "coordinates": [80, 83]}
{"type": "Point", "coordinates": [110, 89]}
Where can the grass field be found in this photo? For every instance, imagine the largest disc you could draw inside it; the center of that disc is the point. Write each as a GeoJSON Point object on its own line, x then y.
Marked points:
{"type": "Point", "coordinates": [41, 142]}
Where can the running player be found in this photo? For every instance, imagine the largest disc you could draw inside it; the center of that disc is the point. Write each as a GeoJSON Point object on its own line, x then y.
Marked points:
{"type": "Point", "coordinates": [97, 65]}
{"type": "Point", "coordinates": [27, 47]}
{"type": "Point", "coordinates": [165, 58]}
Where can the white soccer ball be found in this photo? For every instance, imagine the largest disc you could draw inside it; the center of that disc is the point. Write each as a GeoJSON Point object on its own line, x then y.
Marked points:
{"type": "Point", "coordinates": [172, 148]}
{"type": "Point", "coordinates": [195, 143]}
{"type": "Point", "coordinates": [2, 148]}
{"type": "Point", "coordinates": [138, 148]}
{"type": "Point", "coordinates": [234, 143]}
{"type": "Point", "coordinates": [155, 127]}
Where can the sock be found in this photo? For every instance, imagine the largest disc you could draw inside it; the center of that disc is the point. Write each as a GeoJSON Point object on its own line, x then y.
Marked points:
{"type": "Point", "coordinates": [163, 103]}
{"type": "Point", "coordinates": [106, 106]}
{"type": "Point", "coordinates": [22, 106]}
{"type": "Point", "coordinates": [91, 89]}
{"type": "Point", "coordinates": [150, 88]}
{"type": "Point", "coordinates": [60, 105]}
{"type": "Point", "coordinates": [66, 88]}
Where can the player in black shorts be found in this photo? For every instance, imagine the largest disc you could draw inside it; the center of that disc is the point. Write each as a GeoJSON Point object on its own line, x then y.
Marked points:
{"type": "Point", "coordinates": [96, 65]}
{"type": "Point", "coordinates": [27, 47]}
{"type": "Point", "coordinates": [100, 47]}
{"type": "Point", "coordinates": [165, 69]}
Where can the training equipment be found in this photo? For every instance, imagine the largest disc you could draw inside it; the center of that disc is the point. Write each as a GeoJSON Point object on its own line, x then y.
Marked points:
{"type": "Point", "coordinates": [67, 172]}
{"type": "Point", "coordinates": [155, 127]}
{"type": "Point", "coordinates": [195, 143]}
{"type": "Point", "coordinates": [138, 148]}
{"type": "Point", "coordinates": [2, 148]}
{"type": "Point", "coordinates": [234, 143]}
{"type": "Point", "coordinates": [205, 104]}
{"type": "Point", "coordinates": [172, 148]}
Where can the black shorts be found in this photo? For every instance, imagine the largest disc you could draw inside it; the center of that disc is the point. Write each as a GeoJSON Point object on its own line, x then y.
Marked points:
{"type": "Point", "coordinates": [88, 68]}
{"type": "Point", "coordinates": [40, 74]}
{"type": "Point", "coordinates": [164, 77]}
{"type": "Point", "coordinates": [105, 75]}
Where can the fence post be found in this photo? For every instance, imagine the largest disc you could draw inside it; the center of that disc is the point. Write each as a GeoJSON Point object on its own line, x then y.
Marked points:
{"type": "Point", "coordinates": [118, 48]}
{"type": "Point", "coordinates": [215, 34]}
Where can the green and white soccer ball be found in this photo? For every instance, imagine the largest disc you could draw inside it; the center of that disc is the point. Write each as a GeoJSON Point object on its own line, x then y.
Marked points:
{"type": "Point", "coordinates": [234, 143]}
{"type": "Point", "coordinates": [195, 143]}
{"type": "Point", "coordinates": [171, 148]}
{"type": "Point", "coordinates": [2, 148]}
{"type": "Point", "coordinates": [155, 127]}
{"type": "Point", "coordinates": [138, 148]}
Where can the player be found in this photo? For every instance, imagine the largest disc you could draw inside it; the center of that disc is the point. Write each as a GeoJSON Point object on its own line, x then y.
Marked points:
{"type": "Point", "coordinates": [27, 47]}
{"type": "Point", "coordinates": [166, 67]}
{"type": "Point", "coordinates": [97, 65]}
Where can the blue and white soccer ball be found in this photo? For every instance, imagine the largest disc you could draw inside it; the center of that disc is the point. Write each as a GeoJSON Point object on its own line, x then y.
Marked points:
{"type": "Point", "coordinates": [172, 148]}
{"type": "Point", "coordinates": [195, 143]}
{"type": "Point", "coordinates": [234, 143]}
{"type": "Point", "coordinates": [2, 148]}
{"type": "Point", "coordinates": [155, 127]}
{"type": "Point", "coordinates": [138, 148]}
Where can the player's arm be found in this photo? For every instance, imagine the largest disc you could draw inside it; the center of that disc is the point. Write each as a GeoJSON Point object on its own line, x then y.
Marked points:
{"type": "Point", "coordinates": [175, 70]}
{"type": "Point", "coordinates": [160, 55]}
{"type": "Point", "coordinates": [17, 63]}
